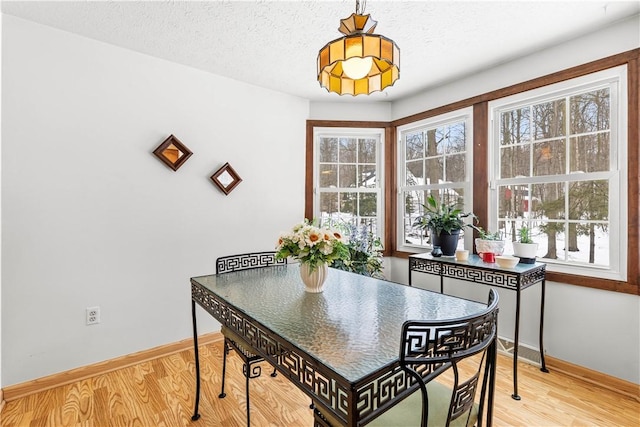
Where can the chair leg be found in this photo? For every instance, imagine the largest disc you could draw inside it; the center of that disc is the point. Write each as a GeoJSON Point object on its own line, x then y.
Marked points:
{"type": "Point", "coordinates": [274, 373]}
{"type": "Point", "coordinates": [224, 366]}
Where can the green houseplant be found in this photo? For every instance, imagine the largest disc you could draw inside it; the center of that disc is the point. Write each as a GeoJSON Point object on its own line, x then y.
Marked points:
{"type": "Point", "coordinates": [525, 236]}
{"type": "Point", "coordinates": [445, 220]}
{"type": "Point", "coordinates": [525, 247]}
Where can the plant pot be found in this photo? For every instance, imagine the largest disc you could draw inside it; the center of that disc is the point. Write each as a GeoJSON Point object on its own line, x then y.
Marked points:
{"type": "Point", "coordinates": [495, 247]}
{"type": "Point", "coordinates": [313, 280]}
{"type": "Point", "coordinates": [525, 250]}
{"type": "Point", "coordinates": [448, 242]}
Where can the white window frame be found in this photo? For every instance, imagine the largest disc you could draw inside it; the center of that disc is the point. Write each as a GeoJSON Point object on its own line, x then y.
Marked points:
{"type": "Point", "coordinates": [616, 80]}
{"type": "Point", "coordinates": [338, 132]}
{"type": "Point", "coordinates": [466, 115]}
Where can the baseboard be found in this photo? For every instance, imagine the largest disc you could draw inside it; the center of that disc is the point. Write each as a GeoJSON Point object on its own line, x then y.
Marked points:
{"type": "Point", "coordinates": [532, 355]}
{"type": "Point", "coordinates": [599, 379]}
{"type": "Point", "coordinates": [63, 378]}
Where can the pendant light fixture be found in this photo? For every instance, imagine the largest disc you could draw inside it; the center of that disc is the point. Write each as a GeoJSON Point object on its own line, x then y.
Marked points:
{"type": "Point", "coordinates": [360, 62]}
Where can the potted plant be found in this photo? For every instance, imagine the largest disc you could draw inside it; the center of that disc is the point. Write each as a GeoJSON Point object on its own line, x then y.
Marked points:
{"type": "Point", "coordinates": [525, 247]}
{"type": "Point", "coordinates": [488, 242]}
{"type": "Point", "coordinates": [445, 220]}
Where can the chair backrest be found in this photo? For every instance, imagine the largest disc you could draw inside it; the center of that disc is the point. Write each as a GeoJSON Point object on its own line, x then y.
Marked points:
{"type": "Point", "coordinates": [430, 347]}
{"type": "Point", "coordinates": [229, 263]}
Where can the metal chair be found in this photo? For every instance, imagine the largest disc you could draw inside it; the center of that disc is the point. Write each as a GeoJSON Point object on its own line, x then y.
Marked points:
{"type": "Point", "coordinates": [433, 348]}
{"type": "Point", "coordinates": [233, 341]}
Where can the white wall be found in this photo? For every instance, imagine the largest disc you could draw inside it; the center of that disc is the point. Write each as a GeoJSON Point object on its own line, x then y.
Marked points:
{"type": "Point", "coordinates": [1, 19]}
{"type": "Point", "coordinates": [91, 217]}
{"type": "Point", "coordinates": [621, 37]}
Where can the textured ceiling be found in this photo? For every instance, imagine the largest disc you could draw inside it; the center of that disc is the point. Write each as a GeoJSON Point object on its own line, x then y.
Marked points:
{"type": "Point", "coordinates": [274, 44]}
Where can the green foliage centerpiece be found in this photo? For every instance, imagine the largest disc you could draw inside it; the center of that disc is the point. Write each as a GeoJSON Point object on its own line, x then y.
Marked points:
{"type": "Point", "coordinates": [365, 251]}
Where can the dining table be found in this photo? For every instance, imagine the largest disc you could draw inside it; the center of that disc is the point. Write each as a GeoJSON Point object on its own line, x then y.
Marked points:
{"type": "Point", "coordinates": [340, 347]}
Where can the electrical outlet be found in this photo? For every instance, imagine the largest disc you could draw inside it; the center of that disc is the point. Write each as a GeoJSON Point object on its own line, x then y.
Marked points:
{"type": "Point", "coordinates": [93, 315]}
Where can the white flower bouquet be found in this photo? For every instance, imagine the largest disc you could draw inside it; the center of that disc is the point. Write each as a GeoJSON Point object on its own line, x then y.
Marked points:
{"type": "Point", "coordinates": [312, 245]}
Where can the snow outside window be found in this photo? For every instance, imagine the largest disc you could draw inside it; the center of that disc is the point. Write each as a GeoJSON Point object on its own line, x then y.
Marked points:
{"type": "Point", "coordinates": [559, 168]}
{"type": "Point", "coordinates": [434, 158]}
{"type": "Point", "coordinates": [348, 177]}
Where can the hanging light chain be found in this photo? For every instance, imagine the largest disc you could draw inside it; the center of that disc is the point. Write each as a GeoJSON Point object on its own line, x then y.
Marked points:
{"type": "Point", "coordinates": [360, 10]}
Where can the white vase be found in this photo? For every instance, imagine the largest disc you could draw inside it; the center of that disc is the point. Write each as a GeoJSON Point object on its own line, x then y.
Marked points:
{"type": "Point", "coordinates": [495, 247]}
{"type": "Point", "coordinates": [313, 280]}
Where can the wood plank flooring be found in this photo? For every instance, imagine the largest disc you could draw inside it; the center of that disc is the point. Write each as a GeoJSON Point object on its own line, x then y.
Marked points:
{"type": "Point", "coordinates": [161, 392]}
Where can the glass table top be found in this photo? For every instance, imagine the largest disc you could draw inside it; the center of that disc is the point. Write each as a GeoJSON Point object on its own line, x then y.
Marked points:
{"type": "Point", "coordinates": [353, 326]}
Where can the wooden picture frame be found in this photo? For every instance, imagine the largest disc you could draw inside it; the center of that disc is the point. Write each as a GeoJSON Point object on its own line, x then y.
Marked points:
{"type": "Point", "coordinates": [172, 152]}
{"type": "Point", "coordinates": [226, 178]}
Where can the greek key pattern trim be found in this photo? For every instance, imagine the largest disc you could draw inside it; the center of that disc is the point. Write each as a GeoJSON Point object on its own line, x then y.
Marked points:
{"type": "Point", "coordinates": [328, 388]}
{"type": "Point", "coordinates": [532, 277]}
{"type": "Point", "coordinates": [379, 392]}
{"type": "Point", "coordinates": [331, 390]}
{"type": "Point", "coordinates": [247, 261]}
{"type": "Point", "coordinates": [424, 266]}
{"type": "Point", "coordinates": [498, 278]}
{"type": "Point", "coordinates": [487, 277]}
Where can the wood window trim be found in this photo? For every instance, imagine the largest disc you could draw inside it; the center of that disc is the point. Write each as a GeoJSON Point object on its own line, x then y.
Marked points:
{"type": "Point", "coordinates": [481, 132]}
{"type": "Point", "coordinates": [389, 167]}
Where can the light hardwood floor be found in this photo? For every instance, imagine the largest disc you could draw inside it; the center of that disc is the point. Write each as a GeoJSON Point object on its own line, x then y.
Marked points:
{"type": "Point", "coordinates": [160, 393]}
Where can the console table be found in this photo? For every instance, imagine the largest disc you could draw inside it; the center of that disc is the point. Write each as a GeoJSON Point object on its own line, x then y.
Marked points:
{"type": "Point", "coordinates": [475, 270]}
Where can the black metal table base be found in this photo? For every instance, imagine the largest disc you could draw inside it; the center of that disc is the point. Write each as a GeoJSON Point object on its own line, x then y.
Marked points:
{"type": "Point", "coordinates": [196, 415]}
{"type": "Point", "coordinates": [487, 274]}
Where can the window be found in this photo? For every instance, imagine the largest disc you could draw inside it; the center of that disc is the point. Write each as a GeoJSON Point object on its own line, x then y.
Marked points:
{"type": "Point", "coordinates": [552, 138]}
{"type": "Point", "coordinates": [348, 176]}
{"type": "Point", "coordinates": [434, 158]}
{"type": "Point", "coordinates": [559, 168]}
